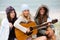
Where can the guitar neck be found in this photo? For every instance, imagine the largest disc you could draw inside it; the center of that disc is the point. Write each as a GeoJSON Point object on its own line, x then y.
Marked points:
{"type": "Point", "coordinates": [45, 24]}
{"type": "Point", "coordinates": [39, 26]}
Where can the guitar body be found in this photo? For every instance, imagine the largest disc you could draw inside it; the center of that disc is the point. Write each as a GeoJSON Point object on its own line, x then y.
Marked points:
{"type": "Point", "coordinates": [22, 36]}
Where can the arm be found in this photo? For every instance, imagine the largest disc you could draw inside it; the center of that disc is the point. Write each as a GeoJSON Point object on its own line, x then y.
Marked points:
{"type": "Point", "coordinates": [18, 26]}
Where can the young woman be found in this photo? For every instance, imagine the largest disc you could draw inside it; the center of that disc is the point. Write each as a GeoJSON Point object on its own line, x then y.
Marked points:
{"type": "Point", "coordinates": [41, 17]}
{"type": "Point", "coordinates": [25, 17]}
{"type": "Point", "coordinates": [7, 29]}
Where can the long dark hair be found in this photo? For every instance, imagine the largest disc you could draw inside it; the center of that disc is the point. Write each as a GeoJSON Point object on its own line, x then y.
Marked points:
{"type": "Point", "coordinates": [8, 11]}
{"type": "Point", "coordinates": [45, 16]}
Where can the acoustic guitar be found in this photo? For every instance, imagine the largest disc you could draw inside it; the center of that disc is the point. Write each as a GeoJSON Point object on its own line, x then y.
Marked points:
{"type": "Point", "coordinates": [22, 36]}
{"type": "Point", "coordinates": [32, 25]}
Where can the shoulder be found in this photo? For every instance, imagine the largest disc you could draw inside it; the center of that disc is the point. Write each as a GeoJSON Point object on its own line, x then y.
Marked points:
{"type": "Point", "coordinates": [5, 20]}
{"type": "Point", "coordinates": [20, 17]}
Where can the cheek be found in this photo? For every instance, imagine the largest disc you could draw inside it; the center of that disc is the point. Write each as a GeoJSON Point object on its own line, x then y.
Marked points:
{"type": "Point", "coordinates": [12, 15]}
{"type": "Point", "coordinates": [42, 11]}
{"type": "Point", "coordinates": [26, 13]}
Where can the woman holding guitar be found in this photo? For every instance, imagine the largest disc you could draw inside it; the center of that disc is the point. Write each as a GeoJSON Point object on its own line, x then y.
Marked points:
{"type": "Point", "coordinates": [41, 17]}
{"type": "Point", "coordinates": [24, 19]}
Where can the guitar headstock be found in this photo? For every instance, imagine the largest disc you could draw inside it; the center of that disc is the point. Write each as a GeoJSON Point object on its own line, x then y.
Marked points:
{"type": "Point", "coordinates": [54, 21]}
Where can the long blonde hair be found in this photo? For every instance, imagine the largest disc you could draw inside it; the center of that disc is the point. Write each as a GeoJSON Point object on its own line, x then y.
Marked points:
{"type": "Point", "coordinates": [28, 18]}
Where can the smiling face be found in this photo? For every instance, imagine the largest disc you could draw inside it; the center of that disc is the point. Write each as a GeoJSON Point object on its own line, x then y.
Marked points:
{"type": "Point", "coordinates": [42, 11]}
{"type": "Point", "coordinates": [12, 14]}
{"type": "Point", "coordinates": [26, 13]}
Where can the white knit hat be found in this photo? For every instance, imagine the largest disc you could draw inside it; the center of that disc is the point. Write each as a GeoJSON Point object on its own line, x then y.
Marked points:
{"type": "Point", "coordinates": [24, 7]}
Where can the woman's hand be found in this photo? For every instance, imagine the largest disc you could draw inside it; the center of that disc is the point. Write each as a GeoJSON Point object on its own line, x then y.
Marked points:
{"type": "Point", "coordinates": [28, 30]}
{"type": "Point", "coordinates": [49, 24]}
{"type": "Point", "coordinates": [11, 25]}
{"type": "Point", "coordinates": [50, 32]}
{"type": "Point", "coordinates": [47, 32]}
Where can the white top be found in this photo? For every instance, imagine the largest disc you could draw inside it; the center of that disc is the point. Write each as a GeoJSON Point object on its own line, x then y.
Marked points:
{"type": "Point", "coordinates": [20, 27]}
{"type": "Point", "coordinates": [49, 19]}
{"type": "Point", "coordinates": [4, 30]}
